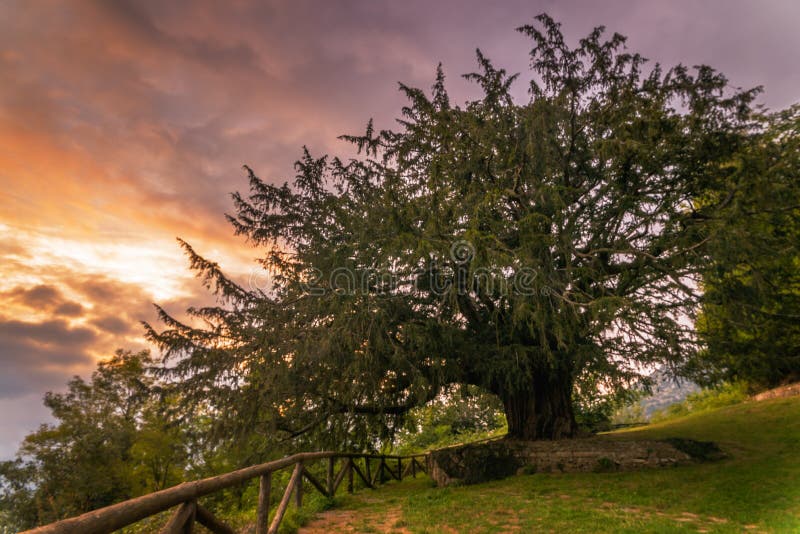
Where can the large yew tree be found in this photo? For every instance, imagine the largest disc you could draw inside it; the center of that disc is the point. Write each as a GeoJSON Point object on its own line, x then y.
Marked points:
{"type": "Point", "coordinates": [536, 249]}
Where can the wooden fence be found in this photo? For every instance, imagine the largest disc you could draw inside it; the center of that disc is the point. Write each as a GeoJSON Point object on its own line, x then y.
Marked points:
{"type": "Point", "coordinates": [184, 497]}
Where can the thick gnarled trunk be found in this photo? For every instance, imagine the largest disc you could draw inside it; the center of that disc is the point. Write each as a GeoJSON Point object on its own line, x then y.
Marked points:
{"type": "Point", "coordinates": [544, 411]}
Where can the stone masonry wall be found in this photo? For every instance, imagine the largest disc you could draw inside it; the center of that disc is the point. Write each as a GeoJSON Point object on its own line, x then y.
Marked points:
{"type": "Point", "coordinates": [469, 464]}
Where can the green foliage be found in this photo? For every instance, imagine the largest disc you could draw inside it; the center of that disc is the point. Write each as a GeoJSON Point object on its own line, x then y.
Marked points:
{"type": "Point", "coordinates": [751, 311]}
{"type": "Point", "coordinates": [725, 394]}
{"type": "Point", "coordinates": [514, 246]}
{"type": "Point", "coordinates": [594, 411]}
{"type": "Point", "coordinates": [459, 416]}
{"type": "Point", "coordinates": [629, 414]}
{"type": "Point", "coordinates": [112, 441]}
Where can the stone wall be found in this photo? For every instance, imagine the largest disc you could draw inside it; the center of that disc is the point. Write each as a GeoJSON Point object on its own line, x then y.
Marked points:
{"type": "Point", "coordinates": [469, 464]}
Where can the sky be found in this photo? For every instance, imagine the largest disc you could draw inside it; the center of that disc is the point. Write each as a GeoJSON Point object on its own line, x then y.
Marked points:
{"type": "Point", "coordinates": [125, 124]}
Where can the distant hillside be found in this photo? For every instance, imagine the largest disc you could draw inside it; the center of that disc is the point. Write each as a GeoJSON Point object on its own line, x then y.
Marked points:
{"type": "Point", "coordinates": [666, 391]}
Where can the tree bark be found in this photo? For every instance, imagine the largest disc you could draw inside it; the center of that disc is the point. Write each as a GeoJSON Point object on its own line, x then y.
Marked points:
{"type": "Point", "coordinates": [543, 411]}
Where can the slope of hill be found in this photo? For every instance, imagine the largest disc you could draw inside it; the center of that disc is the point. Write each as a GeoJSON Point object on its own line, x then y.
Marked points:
{"type": "Point", "coordinates": [667, 390]}
{"type": "Point", "coordinates": [754, 490]}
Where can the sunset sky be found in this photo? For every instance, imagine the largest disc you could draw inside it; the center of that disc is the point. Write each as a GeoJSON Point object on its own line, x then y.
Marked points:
{"type": "Point", "coordinates": [125, 124]}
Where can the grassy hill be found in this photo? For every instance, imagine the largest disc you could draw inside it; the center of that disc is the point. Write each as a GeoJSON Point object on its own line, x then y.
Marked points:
{"type": "Point", "coordinates": [756, 489]}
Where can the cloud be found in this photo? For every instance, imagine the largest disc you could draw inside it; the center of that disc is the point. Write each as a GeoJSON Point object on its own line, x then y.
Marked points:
{"type": "Point", "coordinates": [69, 309]}
{"type": "Point", "coordinates": [43, 298]}
{"type": "Point", "coordinates": [47, 333]}
{"type": "Point", "coordinates": [41, 352]}
{"type": "Point", "coordinates": [113, 325]}
{"type": "Point", "coordinates": [39, 356]}
{"type": "Point", "coordinates": [125, 124]}
{"type": "Point", "coordinates": [39, 296]}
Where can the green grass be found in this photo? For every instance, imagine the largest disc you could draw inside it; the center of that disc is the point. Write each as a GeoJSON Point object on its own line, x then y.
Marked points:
{"type": "Point", "coordinates": [756, 489]}
{"type": "Point", "coordinates": [726, 394]}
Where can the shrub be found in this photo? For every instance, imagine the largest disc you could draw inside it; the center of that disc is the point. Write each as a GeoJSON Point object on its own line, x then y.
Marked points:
{"type": "Point", "coordinates": [725, 394]}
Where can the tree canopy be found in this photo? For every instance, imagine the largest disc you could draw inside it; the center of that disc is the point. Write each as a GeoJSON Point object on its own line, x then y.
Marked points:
{"type": "Point", "coordinates": [750, 320]}
{"type": "Point", "coordinates": [538, 250]}
{"type": "Point", "coordinates": [111, 441]}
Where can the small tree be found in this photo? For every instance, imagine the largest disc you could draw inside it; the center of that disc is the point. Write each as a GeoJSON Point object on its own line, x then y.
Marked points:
{"type": "Point", "coordinates": [110, 443]}
{"type": "Point", "coordinates": [521, 248]}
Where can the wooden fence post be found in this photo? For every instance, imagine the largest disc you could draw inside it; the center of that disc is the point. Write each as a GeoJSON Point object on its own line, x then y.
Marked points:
{"type": "Point", "coordinates": [340, 476]}
{"type": "Point", "coordinates": [367, 470]}
{"type": "Point", "coordinates": [297, 476]}
{"type": "Point", "coordinates": [350, 488]}
{"type": "Point", "coordinates": [181, 521]}
{"type": "Point", "coordinates": [264, 489]}
{"type": "Point", "coordinates": [329, 477]}
{"type": "Point", "coordinates": [207, 519]}
{"type": "Point", "coordinates": [298, 496]}
{"type": "Point", "coordinates": [188, 527]}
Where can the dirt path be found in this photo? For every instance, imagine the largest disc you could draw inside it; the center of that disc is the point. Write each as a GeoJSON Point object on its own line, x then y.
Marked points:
{"type": "Point", "coordinates": [389, 520]}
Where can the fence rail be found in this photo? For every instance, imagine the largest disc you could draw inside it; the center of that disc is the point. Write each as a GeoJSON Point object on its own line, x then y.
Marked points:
{"type": "Point", "coordinates": [184, 497]}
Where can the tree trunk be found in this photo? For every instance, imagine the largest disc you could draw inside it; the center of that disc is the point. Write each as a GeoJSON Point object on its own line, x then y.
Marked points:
{"type": "Point", "coordinates": [544, 411]}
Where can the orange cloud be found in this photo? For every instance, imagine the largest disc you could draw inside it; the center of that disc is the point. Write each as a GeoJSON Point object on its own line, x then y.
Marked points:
{"type": "Point", "coordinates": [125, 124]}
